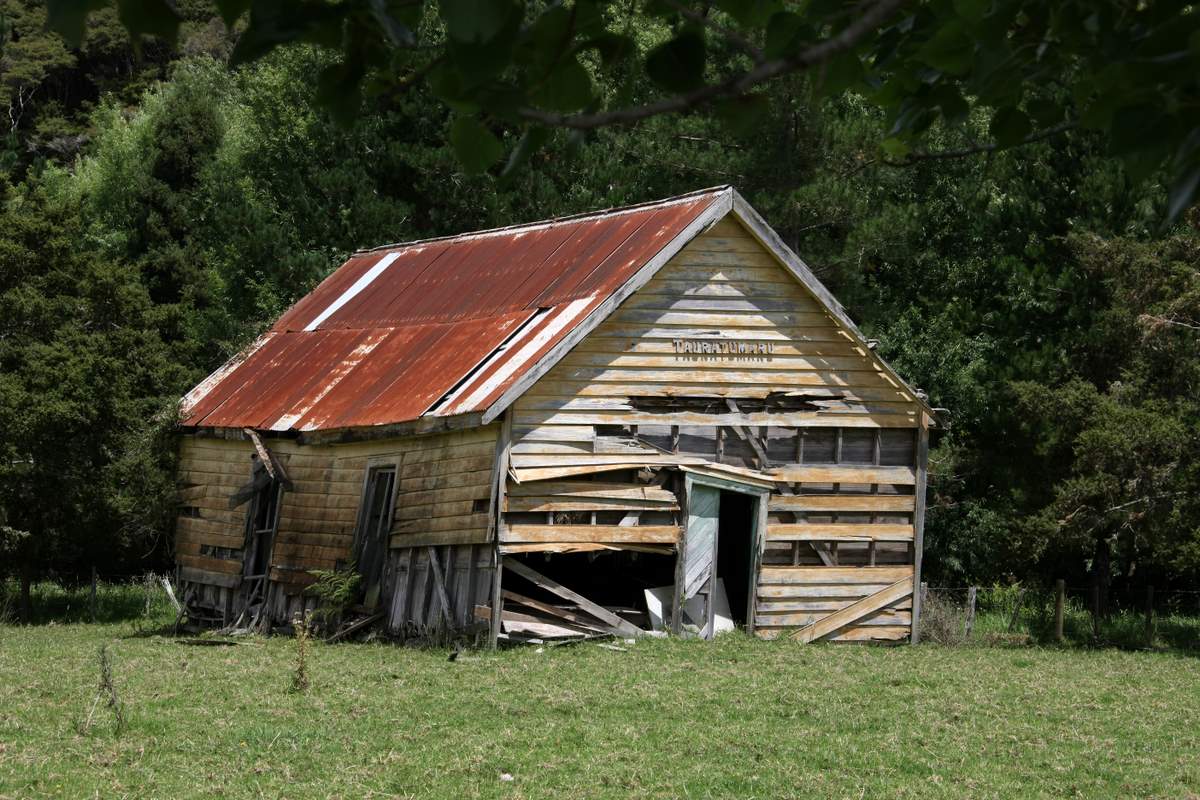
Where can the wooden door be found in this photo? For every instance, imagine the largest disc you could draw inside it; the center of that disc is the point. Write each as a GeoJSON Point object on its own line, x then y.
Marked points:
{"type": "Point", "coordinates": [699, 554]}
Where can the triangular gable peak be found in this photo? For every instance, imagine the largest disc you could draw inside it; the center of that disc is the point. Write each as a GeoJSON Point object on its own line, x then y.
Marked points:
{"type": "Point", "coordinates": [731, 217]}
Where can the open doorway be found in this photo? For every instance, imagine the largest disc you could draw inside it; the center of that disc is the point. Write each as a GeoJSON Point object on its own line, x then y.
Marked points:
{"type": "Point", "coordinates": [735, 551]}
{"type": "Point", "coordinates": [715, 582]}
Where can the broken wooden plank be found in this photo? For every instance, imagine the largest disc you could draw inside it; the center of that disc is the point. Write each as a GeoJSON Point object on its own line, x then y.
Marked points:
{"type": "Point", "coordinates": [528, 474]}
{"type": "Point", "coordinates": [599, 490]}
{"type": "Point", "coordinates": [355, 627]}
{"type": "Point", "coordinates": [271, 464]}
{"type": "Point", "coordinates": [597, 611]}
{"type": "Point", "coordinates": [560, 503]}
{"type": "Point", "coordinates": [259, 481]}
{"type": "Point", "coordinates": [646, 534]}
{"type": "Point", "coordinates": [839, 531]}
{"type": "Point", "coordinates": [543, 630]}
{"type": "Point", "coordinates": [439, 582]}
{"type": "Point", "coordinates": [850, 614]}
{"type": "Point", "coordinates": [585, 547]}
{"type": "Point", "coordinates": [555, 611]}
{"type": "Point", "coordinates": [748, 437]}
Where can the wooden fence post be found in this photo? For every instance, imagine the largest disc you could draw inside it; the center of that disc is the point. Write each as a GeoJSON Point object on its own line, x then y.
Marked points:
{"type": "Point", "coordinates": [1150, 615]}
{"type": "Point", "coordinates": [919, 602]}
{"type": "Point", "coordinates": [1012, 623]}
{"type": "Point", "coordinates": [970, 623]}
{"type": "Point", "coordinates": [1060, 591]}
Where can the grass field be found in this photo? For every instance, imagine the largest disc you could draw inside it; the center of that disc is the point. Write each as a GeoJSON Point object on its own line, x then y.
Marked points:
{"type": "Point", "coordinates": [734, 718]}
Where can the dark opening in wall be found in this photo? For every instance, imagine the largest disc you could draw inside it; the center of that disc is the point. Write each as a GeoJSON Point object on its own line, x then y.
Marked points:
{"type": "Point", "coordinates": [616, 579]}
{"type": "Point", "coordinates": [702, 404]}
{"type": "Point", "coordinates": [735, 542]}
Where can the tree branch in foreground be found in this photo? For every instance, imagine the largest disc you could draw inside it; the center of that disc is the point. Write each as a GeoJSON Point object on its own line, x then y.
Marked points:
{"type": "Point", "coordinates": [732, 86]}
{"type": "Point", "coordinates": [1037, 136]}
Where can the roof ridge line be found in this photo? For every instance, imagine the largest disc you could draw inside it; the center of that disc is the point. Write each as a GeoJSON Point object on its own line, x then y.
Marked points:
{"type": "Point", "coordinates": [612, 211]}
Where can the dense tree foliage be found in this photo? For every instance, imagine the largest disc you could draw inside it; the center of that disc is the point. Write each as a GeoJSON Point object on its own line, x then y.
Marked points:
{"type": "Point", "coordinates": [1126, 70]}
{"type": "Point", "coordinates": [1030, 291]}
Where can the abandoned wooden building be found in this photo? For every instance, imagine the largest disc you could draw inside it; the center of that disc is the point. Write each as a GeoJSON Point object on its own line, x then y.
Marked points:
{"type": "Point", "coordinates": [646, 418]}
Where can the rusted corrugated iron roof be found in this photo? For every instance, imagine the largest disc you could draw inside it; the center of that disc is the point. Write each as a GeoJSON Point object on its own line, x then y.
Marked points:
{"type": "Point", "coordinates": [437, 327]}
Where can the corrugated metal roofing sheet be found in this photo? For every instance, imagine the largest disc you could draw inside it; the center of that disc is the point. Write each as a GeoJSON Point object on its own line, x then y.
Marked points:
{"type": "Point", "coordinates": [441, 327]}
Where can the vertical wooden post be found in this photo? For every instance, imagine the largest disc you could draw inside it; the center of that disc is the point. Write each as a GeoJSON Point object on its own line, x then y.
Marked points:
{"type": "Point", "coordinates": [497, 601]}
{"type": "Point", "coordinates": [919, 524]}
{"type": "Point", "coordinates": [1060, 591]}
{"type": "Point", "coordinates": [1150, 615]}
{"type": "Point", "coordinates": [1012, 623]}
{"type": "Point", "coordinates": [685, 498]}
{"type": "Point", "coordinates": [496, 524]}
{"type": "Point", "coordinates": [970, 621]}
{"type": "Point", "coordinates": [93, 600]}
{"type": "Point", "coordinates": [759, 544]}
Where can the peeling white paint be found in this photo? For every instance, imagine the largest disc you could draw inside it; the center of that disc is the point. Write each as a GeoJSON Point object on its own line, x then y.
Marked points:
{"type": "Point", "coordinates": [362, 283]}
{"type": "Point", "coordinates": [343, 369]}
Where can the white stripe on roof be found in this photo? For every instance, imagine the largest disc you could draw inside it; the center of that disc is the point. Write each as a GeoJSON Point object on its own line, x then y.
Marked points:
{"type": "Point", "coordinates": [348, 295]}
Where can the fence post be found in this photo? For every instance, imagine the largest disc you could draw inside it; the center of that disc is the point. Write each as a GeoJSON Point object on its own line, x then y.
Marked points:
{"type": "Point", "coordinates": [970, 623]}
{"type": "Point", "coordinates": [93, 600]}
{"type": "Point", "coordinates": [1012, 623]}
{"type": "Point", "coordinates": [1150, 615]}
{"type": "Point", "coordinates": [1060, 591]}
{"type": "Point", "coordinates": [918, 605]}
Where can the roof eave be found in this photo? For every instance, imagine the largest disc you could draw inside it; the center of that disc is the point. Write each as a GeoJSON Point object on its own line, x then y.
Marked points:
{"type": "Point", "coordinates": [420, 426]}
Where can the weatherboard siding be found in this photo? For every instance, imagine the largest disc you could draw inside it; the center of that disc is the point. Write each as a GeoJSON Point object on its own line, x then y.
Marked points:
{"type": "Point", "coordinates": [722, 289]}
{"type": "Point", "coordinates": [724, 318]}
{"type": "Point", "coordinates": [443, 481]}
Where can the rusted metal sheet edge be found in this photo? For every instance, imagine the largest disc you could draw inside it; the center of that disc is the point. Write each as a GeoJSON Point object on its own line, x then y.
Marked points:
{"type": "Point", "coordinates": [532, 226]}
{"type": "Point", "coordinates": [413, 427]}
{"type": "Point", "coordinates": [202, 389]}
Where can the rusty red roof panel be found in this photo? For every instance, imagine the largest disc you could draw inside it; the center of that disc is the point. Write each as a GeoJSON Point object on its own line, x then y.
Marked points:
{"type": "Point", "coordinates": [443, 326]}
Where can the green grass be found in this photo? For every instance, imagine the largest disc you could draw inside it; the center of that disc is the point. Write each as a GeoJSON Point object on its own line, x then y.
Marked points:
{"type": "Point", "coordinates": [734, 718]}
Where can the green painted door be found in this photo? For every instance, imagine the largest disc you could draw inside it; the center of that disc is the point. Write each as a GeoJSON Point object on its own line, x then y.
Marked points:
{"type": "Point", "coordinates": [699, 555]}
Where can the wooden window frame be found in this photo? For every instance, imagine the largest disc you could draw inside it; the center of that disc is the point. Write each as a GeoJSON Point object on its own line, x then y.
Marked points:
{"type": "Point", "coordinates": [366, 501]}
{"type": "Point", "coordinates": [375, 464]}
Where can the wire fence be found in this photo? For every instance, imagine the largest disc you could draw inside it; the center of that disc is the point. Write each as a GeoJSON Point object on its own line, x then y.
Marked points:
{"type": "Point", "coordinates": [108, 597]}
{"type": "Point", "coordinates": [1022, 615]}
